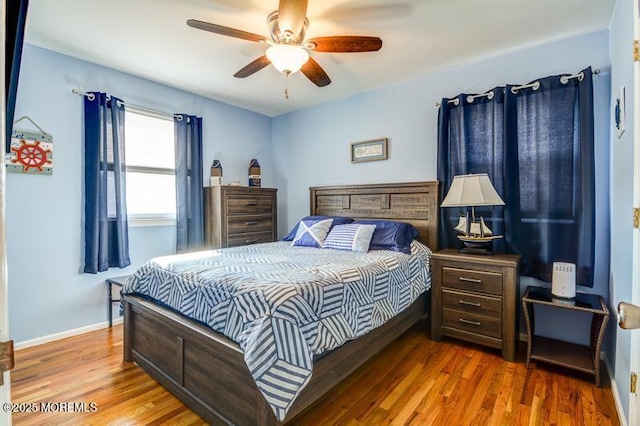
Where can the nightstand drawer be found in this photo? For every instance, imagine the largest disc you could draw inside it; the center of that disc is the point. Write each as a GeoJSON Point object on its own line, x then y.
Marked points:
{"type": "Point", "coordinates": [472, 303]}
{"type": "Point", "coordinates": [470, 280]}
{"type": "Point", "coordinates": [472, 323]}
{"type": "Point", "coordinates": [244, 224]}
{"type": "Point", "coordinates": [246, 239]}
{"type": "Point", "coordinates": [249, 204]}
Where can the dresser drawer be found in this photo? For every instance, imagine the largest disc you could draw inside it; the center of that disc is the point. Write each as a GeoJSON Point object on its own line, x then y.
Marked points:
{"type": "Point", "coordinates": [473, 323]}
{"type": "Point", "coordinates": [246, 239]}
{"type": "Point", "coordinates": [471, 280]}
{"type": "Point", "coordinates": [472, 303]}
{"type": "Point", "coordinates": [249, 204]}
{"type": "Point", "coordinates": [249, 224]}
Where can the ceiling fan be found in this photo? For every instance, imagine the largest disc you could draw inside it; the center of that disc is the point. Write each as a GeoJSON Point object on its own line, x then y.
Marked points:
{"type": "Point", "coordinates": [289, 49]}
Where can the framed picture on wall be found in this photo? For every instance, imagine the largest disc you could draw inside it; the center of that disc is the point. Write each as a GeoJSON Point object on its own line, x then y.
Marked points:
{"type": "Point", "coordinates": [619, 112]}
{"type": "Point", "coordinates": [372, 150]}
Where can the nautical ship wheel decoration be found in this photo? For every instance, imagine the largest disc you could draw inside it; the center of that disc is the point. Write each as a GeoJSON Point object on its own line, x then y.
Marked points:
{"type": "Point", "coordinates": [29, 151]}
{"type": "Point", "coordinates": [31, 155]}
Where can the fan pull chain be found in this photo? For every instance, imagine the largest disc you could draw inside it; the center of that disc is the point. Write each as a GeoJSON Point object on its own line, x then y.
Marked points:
{"type": "Point", "coordinates": [286, 85]}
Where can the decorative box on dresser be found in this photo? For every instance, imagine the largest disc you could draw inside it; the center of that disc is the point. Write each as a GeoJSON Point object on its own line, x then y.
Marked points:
{"type": "Point", "coordinates": [239, 215]}
{"type": "Point", "coordinates": [474, 298]}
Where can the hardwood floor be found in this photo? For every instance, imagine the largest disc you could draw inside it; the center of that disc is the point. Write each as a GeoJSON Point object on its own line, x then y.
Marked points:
{"type": "Point", "coordinates": [414, 381]}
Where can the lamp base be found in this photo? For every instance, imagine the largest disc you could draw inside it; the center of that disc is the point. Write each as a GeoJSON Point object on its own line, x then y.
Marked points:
{"type": "Point", "coordinates": [475, 250]}
{"type": "Point", "coordinates": [477, 245]}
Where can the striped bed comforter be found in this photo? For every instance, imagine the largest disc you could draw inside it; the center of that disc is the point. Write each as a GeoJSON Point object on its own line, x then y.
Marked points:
{"type": "Point", "coordinates": [285, 305]}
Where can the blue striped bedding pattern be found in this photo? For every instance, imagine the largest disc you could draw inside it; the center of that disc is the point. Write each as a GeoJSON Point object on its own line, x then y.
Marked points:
{"type": "Point", "coordinates": [284, 305]}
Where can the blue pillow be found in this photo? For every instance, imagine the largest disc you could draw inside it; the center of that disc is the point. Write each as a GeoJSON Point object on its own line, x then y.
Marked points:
{"type": "Point", "coordinates": [352, 237]}
{"type": "Point", "coordinates": [336, 221]}
{"type": "Point", "coordinates": [312, 233]}
{"type": "Point", "coordinates": [391, 235]}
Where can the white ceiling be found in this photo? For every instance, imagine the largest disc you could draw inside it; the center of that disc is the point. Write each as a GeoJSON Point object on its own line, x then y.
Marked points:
{"type": "Point", "coordinates": [150, 39]}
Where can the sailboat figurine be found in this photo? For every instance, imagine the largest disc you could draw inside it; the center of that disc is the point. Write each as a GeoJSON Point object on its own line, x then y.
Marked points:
{"type": "Point", "coordinates": [476, 236]}
{"type": "Point", "coordinates": [478, 229]}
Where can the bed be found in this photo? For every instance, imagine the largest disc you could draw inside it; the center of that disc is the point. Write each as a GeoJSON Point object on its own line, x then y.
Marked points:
{"type": "Point", "coordinates": [208, 371]}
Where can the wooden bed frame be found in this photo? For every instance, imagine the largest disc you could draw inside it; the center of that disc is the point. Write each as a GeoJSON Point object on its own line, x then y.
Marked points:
{"type": "Point", "coordinates": [207, 371]}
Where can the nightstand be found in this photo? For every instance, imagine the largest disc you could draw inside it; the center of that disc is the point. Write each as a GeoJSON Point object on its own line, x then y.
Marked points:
{"type": "Point", "coordinates": [474, 298]}
{"type": "Point", "coordinates": [558, 352]}
{"type": "Point", "coordinates": [118, 282]}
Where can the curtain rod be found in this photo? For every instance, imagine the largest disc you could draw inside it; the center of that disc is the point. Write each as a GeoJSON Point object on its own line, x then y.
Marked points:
{"type": "Point", "coordinates": [535, 85]}
{"type": "Point", "coordinates": [134, 107]}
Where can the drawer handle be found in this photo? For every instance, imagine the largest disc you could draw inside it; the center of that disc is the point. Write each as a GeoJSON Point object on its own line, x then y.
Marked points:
{"type": "Point", "coordinates": [471, 280]}
{"type": "Point", "coordinates": [251, 223]}
{"type": "Point", "coordinates": [252, 203]}
{"type": "Point", "coordinates": [464, 321]}
{"type": "Point", "coordinates": [253, 241]}
{"type": "Point", "coordinates": [462, 302]}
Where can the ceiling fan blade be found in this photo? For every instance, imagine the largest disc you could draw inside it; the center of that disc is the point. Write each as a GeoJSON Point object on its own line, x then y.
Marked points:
{"type": "Point", "coordinates": [253, 67]}
{"type": "Point", "coordinates": [291, 16]}
{"type": "Point", "coordinates": [345, 44]}
{"type": "Point", "coordinates": [231, 32]}
{"type": "Point", "coordinates": [315, 73]}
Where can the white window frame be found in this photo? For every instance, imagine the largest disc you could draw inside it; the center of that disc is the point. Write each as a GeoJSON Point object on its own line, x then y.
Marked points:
{"type": "Point", "coordinates": [159, 219]}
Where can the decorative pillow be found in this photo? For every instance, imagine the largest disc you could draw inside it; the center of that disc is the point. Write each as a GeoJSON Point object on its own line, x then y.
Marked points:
{"type": "Point", "coordinates": [391, 235]}
{"type": "Point", "coordinates": [350, 237]}
{"type": "Point", "coordinates": [336, 221]}
{"type": "Point", "coordinates": [312, 233]}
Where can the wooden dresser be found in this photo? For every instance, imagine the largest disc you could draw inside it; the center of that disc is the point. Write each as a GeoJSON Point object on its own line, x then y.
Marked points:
{"type": "Point", "coordinates": [239, 215]}
{"type": "Point", "coordinates": [474, 298]}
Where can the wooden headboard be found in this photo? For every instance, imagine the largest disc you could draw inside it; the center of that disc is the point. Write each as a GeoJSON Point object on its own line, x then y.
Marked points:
{"type": "Point", "coordinates": [412, 202]}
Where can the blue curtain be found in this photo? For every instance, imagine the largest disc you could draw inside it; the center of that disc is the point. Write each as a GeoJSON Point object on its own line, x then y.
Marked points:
{"type": "Point", "coordinates": [16, 17]}
{"type": "Point", "coordinates": [106, 227]}
{"type": "Point", "coordinates": [470, 140]}
{"type": "Point", "coordinates": [189, 199]}
{"type": "Point", "coordinates": [537, 145]}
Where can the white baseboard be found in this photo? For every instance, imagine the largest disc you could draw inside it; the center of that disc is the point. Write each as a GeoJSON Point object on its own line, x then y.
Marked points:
{"type": "Point", "coordinates": [616, 395]}
{"type": "Point", "coordinates": [64, 334]}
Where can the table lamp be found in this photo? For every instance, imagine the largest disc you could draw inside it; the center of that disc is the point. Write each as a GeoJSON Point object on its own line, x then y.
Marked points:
{"type": "Point", "coordinates": [470, 191]}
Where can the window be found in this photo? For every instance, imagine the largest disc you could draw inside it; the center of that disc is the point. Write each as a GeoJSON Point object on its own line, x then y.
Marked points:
{"type": "Point", "coordinates": [150, 160]}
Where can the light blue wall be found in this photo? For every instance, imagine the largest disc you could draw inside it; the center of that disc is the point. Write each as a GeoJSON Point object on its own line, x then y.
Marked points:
{"type": "Point", "coordinates": [311, 147]}
{"type": "Point", "coordinates": [621, 202]}
{"type": "Point", "coordinates": [47, 292]}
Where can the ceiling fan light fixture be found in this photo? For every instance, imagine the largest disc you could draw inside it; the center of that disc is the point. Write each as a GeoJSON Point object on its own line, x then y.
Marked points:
{"type": "Point", "coordinates": [287, 58]}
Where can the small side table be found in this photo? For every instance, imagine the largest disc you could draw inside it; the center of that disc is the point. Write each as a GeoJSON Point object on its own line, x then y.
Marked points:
{"type": "Point", "coordinates": [119, 282]}
{"type": "Point", "coordinates": [558, 352]}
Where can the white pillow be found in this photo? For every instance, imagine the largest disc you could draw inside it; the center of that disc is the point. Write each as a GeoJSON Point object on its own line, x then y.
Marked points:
{"type": "Point", "coordinates": [352, 237]}
{"type": "Point", "coordinates": [311, 233]}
